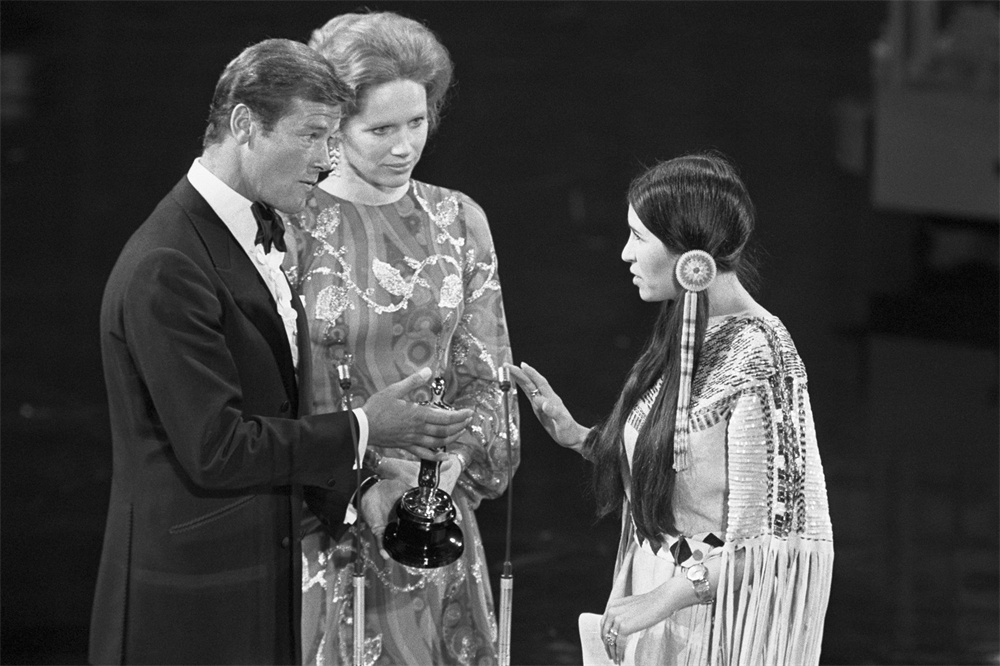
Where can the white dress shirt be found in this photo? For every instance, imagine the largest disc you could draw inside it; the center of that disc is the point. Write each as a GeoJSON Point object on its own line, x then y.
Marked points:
{"type": "Point", "coordinates": [234, 210]}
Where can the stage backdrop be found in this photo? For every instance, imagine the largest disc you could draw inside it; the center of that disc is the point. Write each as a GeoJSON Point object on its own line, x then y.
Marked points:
{"type": "Point", "coordinates": [557, 105]}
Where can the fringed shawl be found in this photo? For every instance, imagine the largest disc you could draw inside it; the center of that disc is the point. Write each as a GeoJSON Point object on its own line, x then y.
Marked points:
{"type": "Point", "coordinates": [778, 529]}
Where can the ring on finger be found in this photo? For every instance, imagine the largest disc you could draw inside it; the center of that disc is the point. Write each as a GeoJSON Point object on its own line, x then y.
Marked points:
{"type": "Point", "coordinates": [532, 393]}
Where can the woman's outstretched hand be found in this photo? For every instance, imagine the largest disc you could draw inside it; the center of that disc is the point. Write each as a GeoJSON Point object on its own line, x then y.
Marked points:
{"type": "Point", "coordinates": [549, 408]}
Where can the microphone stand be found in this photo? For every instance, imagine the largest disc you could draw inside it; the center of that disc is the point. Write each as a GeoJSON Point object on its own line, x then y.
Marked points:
{"type": "Point", "coordinates": [344, 378]}
{"type": "Point", "coordinates": [507, 576]}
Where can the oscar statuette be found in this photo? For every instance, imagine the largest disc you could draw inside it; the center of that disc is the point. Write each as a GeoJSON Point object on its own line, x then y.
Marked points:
{"type": "Point", "coordinates": [425, 534]}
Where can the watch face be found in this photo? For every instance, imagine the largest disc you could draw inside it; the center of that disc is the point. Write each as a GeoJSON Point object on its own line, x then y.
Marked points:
{"type": "Point", "coordinates": [697, 572]}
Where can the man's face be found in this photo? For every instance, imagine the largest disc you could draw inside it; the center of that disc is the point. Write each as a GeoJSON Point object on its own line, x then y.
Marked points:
{"type": "Point", "coordinates": [282, 166]}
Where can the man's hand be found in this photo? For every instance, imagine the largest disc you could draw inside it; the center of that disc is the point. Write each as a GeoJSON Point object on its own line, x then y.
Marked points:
{"type": "Point", "coordinates": [377, 505]}
{"type": "Point", "coordinates": [393, 422]}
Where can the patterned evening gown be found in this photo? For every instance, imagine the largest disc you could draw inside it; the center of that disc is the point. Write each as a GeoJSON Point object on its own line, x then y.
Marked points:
{"type": "Point", "coordinates": [752, 493]}
{"type": "Point", "coordinates": [402, 286]}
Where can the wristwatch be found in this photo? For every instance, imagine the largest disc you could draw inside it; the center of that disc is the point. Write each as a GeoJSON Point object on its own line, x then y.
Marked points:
{"type": "Point", "coordinates": [365, 486]}
{"type": "Point", "coordinates": [698, 575]}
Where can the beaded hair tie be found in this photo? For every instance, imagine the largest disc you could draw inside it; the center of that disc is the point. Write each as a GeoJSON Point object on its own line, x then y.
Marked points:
{"type": "Point", "coordinates": [695, 270]}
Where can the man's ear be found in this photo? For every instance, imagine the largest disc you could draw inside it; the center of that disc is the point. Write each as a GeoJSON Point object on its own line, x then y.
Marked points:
{"type": "Point", "coordinates": [241, 123]}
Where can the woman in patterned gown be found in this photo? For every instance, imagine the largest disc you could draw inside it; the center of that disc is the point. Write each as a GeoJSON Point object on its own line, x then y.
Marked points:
{"type": "Point", "coordinates": [401, 275]}
{"type": "Point", "coordinates": [726, 550]}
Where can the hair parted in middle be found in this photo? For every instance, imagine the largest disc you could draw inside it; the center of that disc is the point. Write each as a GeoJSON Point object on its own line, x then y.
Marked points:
{"type": "Point", "coordinates": [267, 77]}
{"type": "Point", "coordinates": [693, 202]}
{"type": "Point", "coordinates": [370, 49]}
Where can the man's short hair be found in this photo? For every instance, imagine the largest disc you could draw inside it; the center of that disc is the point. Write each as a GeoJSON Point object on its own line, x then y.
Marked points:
{"type": "Point", "coordinates": [267, 77]}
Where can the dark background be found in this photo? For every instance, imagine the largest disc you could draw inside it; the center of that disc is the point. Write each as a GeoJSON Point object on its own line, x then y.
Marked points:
{"type": "Point", "coordinates": [556, 107]}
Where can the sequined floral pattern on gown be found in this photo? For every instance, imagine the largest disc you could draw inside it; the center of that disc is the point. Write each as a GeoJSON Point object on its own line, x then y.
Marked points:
{"type": "Point", "coordinates": [756, 493]}
{"type": "Point", "coordinates": [402, 286]}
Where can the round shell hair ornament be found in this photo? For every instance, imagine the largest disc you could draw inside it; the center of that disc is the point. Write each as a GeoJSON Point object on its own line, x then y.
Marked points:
{"type": "Point", "coordinates": [695, 270]}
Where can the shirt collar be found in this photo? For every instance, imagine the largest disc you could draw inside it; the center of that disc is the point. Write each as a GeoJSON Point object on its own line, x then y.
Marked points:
{"type": "Point", "coordinates": [231, 206]}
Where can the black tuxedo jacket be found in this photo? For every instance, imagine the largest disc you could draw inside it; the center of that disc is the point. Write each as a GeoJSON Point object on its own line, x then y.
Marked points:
{"type": "Point", "coordinates": [201, 560]}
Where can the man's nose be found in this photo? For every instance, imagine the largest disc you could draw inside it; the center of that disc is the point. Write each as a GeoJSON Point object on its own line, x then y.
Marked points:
{"type": "Point", "coordinates": [322, 159]}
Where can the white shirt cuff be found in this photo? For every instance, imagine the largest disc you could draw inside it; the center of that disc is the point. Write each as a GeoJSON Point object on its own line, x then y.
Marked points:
{"type": "Point", "coordinates": [352, 515]}
{"type": "Point", "coordinates": [362, 434]}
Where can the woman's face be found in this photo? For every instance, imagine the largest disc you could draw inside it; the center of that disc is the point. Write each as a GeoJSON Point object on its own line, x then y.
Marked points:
{"type": "Point", "coordinates": [652, 263]}
{"type": "Point", "coordinates": [382, 142]}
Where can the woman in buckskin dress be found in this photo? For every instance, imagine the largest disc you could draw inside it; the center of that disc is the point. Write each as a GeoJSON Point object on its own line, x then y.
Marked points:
{"type": "Point", "coordinates": [726, 550]}
{"type": "Point", "coordinates": [401, 275]}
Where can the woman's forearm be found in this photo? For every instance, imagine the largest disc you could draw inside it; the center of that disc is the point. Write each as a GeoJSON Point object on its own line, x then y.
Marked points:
{"type": "Point", "coordinates": [579, 440]}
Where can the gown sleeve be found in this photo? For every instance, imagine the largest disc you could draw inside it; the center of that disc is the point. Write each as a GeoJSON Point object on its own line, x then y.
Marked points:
{"type": "Point", "coordinates": [480, 345]}
{"type": "Point", "coordinates": [777, 513]}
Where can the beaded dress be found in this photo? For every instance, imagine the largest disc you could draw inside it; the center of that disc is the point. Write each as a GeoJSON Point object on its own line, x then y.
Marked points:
{"type": "Point", "coordinates": [402, 286]}
{"type": "Point", "coordinates": [754, 494]}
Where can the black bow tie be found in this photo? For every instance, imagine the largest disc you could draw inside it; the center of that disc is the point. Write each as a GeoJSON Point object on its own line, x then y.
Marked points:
{"type": "Point", "coordinates": [270, 228]}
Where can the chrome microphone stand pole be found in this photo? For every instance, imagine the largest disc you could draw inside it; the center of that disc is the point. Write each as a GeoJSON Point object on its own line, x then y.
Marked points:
{"type": "Point", "coordinates": [344, 378]}
{"type": "Point", "coordinates": [507, 576]}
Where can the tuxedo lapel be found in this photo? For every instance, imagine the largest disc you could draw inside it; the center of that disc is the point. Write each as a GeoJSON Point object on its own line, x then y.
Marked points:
{"type": "Point", "coordinates": [245, 284]}
{"type": "Point", "coordinates": [305, 356]}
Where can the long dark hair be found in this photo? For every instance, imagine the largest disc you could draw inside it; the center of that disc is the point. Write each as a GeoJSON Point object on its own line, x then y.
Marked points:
{"type": "Point", "coordinates": [694, 202]}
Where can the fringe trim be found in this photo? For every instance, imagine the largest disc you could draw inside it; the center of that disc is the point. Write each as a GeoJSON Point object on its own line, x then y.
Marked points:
{"type": "Point", "coordinates": [682, 447]}
{"type": "Point", "coordinates": [771, 612]}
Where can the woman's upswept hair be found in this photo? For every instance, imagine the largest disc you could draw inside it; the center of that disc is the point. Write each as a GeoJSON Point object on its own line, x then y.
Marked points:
{"type": "Point", "coordinates": [693, 202]}
{"type": "Point", "coordinates": [370, 49]}
{"type": "Point", "coordinates": [267, 77]}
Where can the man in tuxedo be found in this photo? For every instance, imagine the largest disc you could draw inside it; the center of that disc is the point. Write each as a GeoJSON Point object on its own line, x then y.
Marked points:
{"type": "Point", "coordinates": [204, 347]}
